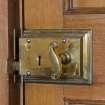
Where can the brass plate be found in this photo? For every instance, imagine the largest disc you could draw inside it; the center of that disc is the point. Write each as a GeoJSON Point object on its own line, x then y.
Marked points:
{"type": "Point", "coordinates": [35, 59]}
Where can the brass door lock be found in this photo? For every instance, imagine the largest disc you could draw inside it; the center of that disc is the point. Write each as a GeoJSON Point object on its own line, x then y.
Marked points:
{"type": "Point", "coordinates": [56, 55]}
{"type": "Point", "coordinates": [61, 58]}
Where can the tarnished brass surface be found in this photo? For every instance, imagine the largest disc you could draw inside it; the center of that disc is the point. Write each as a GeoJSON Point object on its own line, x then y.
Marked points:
{"type": "Point", "coordinates": [55, 57]}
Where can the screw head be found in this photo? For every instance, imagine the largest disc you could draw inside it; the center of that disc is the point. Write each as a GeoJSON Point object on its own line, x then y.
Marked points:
{"type": "Point", "coordinates": [28, 73]}
{"type": "Point", "coordinates": [64, 40]}
{"type": "Point", "coordinates": [28, 41]}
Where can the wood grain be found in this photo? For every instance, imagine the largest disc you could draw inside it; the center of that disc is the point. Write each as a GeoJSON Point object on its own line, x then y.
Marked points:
{"type": "Point", "coordinates": [84, 7]}
{"type": "Point", "coordinates": [95, 22]}
{"type": "Point", "coordinates": [96, 91]}
{"type": "Point", "coordinates": [43, 14]}
{"type": "Point", "coordinates": [83, 102]}
{"type": "Point", "coordinates": [43, 94]}
{"type": "Point", "coordinates": [89, 3]}
{"type": "Point", "coordinates": [3, 52]}
{"type": "Point", "coordinates": [3, 29]}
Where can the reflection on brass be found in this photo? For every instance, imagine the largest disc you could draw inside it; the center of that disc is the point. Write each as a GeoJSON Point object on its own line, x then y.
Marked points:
{"type": "Point", "coordinates": [55, 61]}
{"type": "Point", "coordinates": [63, 56]}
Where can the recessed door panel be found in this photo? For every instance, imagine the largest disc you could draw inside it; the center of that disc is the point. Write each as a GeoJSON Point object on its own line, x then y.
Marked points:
{"type": "Point", "coordinates": [42, 14]}
{"type": "Point", "coordinates": [88, 3]}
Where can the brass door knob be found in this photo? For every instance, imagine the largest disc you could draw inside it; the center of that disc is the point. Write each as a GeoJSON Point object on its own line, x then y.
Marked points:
{"type": "Point", "coordinates": [66, 58]}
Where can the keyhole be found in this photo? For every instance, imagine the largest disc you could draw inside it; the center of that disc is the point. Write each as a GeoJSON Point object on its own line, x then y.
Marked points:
{"type": "Point", "coordinates": [39, 60]}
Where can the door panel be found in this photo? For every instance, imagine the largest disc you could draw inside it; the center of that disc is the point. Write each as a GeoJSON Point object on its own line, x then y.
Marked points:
{"type": "Point", "coordinates": [41, 94]}
{"type": "Point", "coordinates": [3, 52]}
{"type": "Point", "coordinates": [43, 14]}
{"type": "Point", "coordinates": [95, 91]}
{"type": "Point", "coordinates": [89, 3]}
{"type": "Point", "coordinates": [49, 14]}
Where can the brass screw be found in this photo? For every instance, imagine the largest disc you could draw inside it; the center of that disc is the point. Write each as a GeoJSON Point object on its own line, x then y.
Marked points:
{"type": "Point", "coordinates": [28, 41]}
{"type": "Point", "coordinates": [28, 73]}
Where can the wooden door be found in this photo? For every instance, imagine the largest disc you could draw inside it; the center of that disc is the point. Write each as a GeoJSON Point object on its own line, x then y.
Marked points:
{"type": "Point", "coordinates": [3, 52]}
{"type": "Point", "coordinates": [69, 14]}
